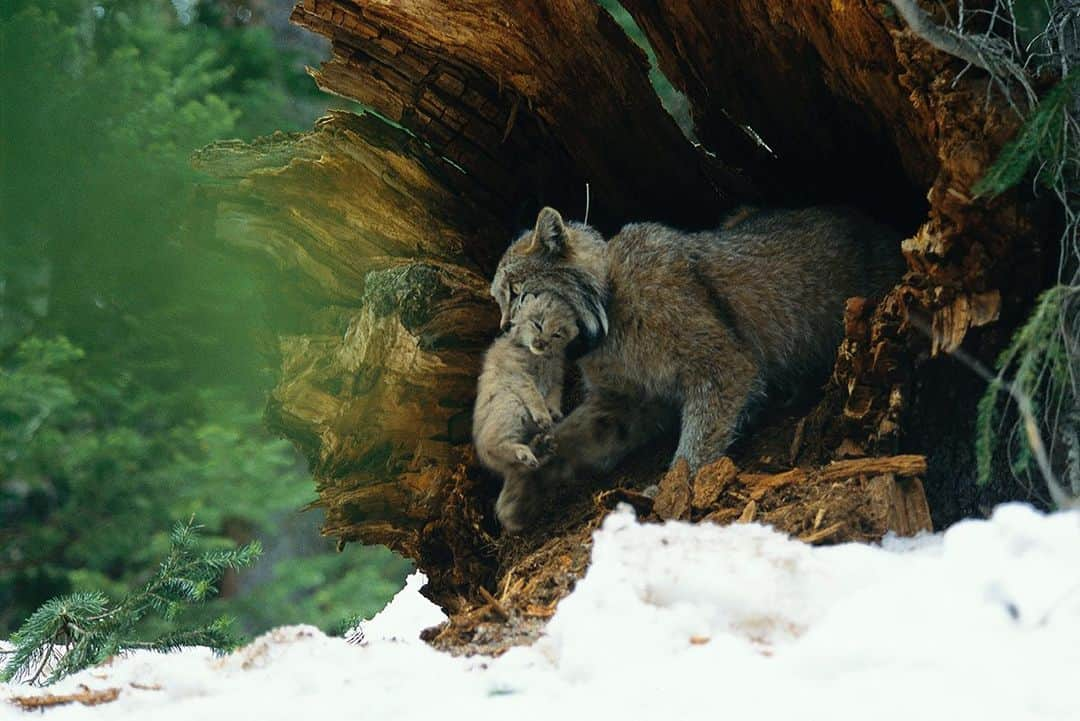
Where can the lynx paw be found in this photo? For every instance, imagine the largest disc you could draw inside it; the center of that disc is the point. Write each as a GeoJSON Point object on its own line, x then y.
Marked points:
{"type": "Point", "coordinates": [543, 444]}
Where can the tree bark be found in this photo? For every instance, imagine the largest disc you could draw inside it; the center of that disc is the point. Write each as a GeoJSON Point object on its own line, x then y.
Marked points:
{"type": "Point", "coordinates": [389, 232]}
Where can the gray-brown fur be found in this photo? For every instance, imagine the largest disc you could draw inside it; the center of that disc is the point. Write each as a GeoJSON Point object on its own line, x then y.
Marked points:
{"type": "Point", "coordinates": [519, 393]}
{"type": "Point", "coordinates": [702, 323]}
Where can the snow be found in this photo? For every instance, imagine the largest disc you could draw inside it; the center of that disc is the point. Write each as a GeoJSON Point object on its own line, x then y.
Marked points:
{"type": "Point", "coordinates": [980, 622]}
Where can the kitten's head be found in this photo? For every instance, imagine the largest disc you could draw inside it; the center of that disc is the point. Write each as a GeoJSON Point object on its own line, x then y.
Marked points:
{"type": "Point", "coordinates": [543, 323]}
{"type": "Point", "coordinates": [567, 259]}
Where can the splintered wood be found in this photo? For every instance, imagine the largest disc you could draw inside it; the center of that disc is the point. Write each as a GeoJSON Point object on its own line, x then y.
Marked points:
{"type": "Point", "coordinates": [858, 499]}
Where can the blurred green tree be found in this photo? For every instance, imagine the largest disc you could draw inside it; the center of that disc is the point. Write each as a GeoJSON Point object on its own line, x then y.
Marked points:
{"type": "Point", "coordinates": [131, 364]}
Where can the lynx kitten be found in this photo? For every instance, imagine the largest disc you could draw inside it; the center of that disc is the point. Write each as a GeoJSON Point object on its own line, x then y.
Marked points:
{"type": "Point", "coordinates": [520, 390]}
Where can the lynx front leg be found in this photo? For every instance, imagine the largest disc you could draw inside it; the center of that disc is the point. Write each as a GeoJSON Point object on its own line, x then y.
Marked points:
{"type": "Point", "coordinates": [592, 439]}
{"type": "Point", "coordinates": [605, 428]}
{"type": "Point", "coordinates": [712, 410]}
{"type": "Point", "coordinates": [536, 405]}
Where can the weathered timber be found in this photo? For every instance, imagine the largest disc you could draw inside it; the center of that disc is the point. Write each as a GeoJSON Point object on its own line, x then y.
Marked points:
{"type": "Point", "coordinates": [353, 195]}
{"type": "Point", "coordinates": [858, 500]}
{"type": "Point", "coordinates": [532, 98]}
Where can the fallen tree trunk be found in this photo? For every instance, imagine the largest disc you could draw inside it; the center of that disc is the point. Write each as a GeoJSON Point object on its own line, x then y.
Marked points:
{"type": "Point", "coordinates": [387, 233]}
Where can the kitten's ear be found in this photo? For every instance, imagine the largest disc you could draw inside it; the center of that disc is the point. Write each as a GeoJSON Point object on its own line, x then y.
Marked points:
{"type": "Point", "coordinates": [550, 234]}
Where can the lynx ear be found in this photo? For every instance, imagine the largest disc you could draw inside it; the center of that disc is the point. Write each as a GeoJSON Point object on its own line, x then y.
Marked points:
{"type": "Point", "coordinates": [550, 234]}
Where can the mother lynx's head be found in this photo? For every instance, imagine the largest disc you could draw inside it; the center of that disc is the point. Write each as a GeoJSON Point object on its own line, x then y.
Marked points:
{"type": "Point", "coordinates": [565, 259]}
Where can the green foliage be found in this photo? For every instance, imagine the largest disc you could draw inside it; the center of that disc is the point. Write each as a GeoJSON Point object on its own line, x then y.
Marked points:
{"type": "Point", "coordinates": [93, 467]}
{"type": "Point", "coordinates": [1042, 138]}
{"type": "Point", "coordinates": [134, 357]}
{"type": "Point", "coordinates": [73, 632]}
{"type": "Point", "coordinates": [1036, 371]}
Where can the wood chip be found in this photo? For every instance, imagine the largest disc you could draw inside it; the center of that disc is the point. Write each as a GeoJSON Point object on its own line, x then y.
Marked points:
{"type": "Point", "coordinates": [748, 512]}
{"type": "Point", "coordinates": [711, 481]}
{"type": "Point", "coordinates": [908, 511]}
{"type": "Point", "coordinates": [673, 500]}
{"type": "Point", "coordinates": [760, 484]}
{"type": "Point", "coordinates": [910, 465]}
{"type": "Point", "coordinates": [540, 611]}
{"type": "Point", "coordinates": [722, 516]}
{"type": "Point", "coordinates": [823, 534]}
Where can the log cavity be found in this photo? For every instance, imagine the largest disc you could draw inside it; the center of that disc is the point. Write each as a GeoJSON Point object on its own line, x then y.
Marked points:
{"type": "Point", "coordinates": [778, 92]}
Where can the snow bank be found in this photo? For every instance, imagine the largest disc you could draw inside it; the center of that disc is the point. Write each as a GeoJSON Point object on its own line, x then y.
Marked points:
{"type": "Point", "coordinates": [981, 622]}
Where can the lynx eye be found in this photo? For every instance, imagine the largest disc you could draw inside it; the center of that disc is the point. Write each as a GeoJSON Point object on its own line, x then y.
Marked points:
{"type": "Point", "coordinates": [557, 334]}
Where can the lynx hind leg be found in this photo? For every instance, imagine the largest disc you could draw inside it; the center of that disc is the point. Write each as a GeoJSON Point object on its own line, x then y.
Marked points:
{"type": "Point", "coordinates": [513, 507]}
{"type": "Point", "coordinates": [712, 412]}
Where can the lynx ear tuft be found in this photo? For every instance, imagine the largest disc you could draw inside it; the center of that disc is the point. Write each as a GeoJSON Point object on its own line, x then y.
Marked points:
{"type": "Point", "coordinates": [550, 234]}
{"type": "Point", "coordinates": [592, 329]}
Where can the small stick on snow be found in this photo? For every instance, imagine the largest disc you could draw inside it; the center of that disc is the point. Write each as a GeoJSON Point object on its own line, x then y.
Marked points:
{"type": "Point", "coordinates": [822, 534]}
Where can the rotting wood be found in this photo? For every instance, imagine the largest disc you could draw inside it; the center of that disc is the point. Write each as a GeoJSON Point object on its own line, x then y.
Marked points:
{"type": "Point", "coordinates": [863, 498]}
{"type": "Point", "coordinates": [711, 480]}
{"type": "Point", "coordinates": [456, 75]}
{"type": "Point", "coordinates": [673, 498]}
{"type": "Point", "coordinates": [748, 512]}
{"type": "Point", "coordinates": [909, 465]}
{"type": "Point", "coordinates": [759, 484]}
{"type": "Point", "coordinates": [506, 107]}
{"type": "Point", "coordinates": [817, 505]}
{"type": "Point", "coordinates": [822, 534]}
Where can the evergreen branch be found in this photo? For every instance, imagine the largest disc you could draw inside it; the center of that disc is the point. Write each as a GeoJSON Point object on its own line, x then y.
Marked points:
{"type": "Point", "coordinates": [1040, 137]}
{"type": "Point", "coordinates": [70, 633]}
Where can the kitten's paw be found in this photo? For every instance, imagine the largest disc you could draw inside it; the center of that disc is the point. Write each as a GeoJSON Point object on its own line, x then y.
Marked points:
{"type": "Point", "coordinates": [557, 416]}
{"type": "Point", "coordinates": [545, 422]}
{"type": "Point", "coordinates": [525, 455]}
